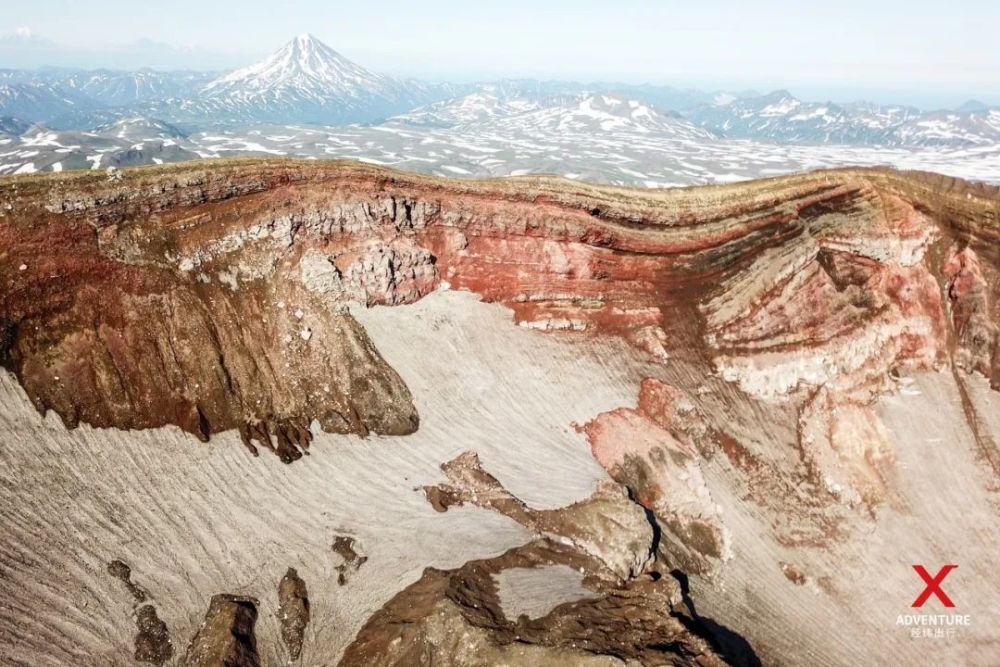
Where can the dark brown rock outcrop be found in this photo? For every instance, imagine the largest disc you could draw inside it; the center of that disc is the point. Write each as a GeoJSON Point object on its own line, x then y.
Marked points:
{"type": "Point", "coordinates": [456, 617]}
{"type": "Point", "coordinates": [346, 547]}
{"type": "Point", "coordinates": [293, 611]}
{"type": "Point", "coordinates": [152, 639]}
{"type": "Point", "coordinates": [121, 571]}
{"type": "Point", "coordinates": [226, 637]}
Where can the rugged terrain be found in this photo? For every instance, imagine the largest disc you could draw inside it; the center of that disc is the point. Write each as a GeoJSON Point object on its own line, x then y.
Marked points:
{"type": "Point", "coordinates": [779, 116]}
{"type": "Point", "coordinates": [307, 100]}
{"type": "Point", "coordinates": [546, 422]}
{"type": "Point", "coordinates": [594, 138]}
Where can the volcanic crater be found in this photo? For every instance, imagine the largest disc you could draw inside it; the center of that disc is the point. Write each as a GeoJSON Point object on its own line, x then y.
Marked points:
{"type": "Point", "coordinates": [684, 426]}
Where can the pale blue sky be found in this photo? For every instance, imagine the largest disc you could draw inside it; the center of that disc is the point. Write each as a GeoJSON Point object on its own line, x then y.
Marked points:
{"type": "Point", "coordinates": [887, 49]}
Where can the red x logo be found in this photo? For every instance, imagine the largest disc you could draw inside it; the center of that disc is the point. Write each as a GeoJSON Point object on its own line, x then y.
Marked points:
{"type": "Point", "coordinates": [933, 585]}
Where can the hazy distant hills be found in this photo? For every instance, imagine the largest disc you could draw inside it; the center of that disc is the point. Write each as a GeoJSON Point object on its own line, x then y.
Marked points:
{"type": "Point", "coordinates": [781, 117]}
{"type": "Point", "coordinates": [598, 138]}
{"type": "Point", "coordinates": [306, 81]}
{"type": "Point", "coordinates": [586, 114]}
{"type": "Point", "coordinates": [41, 101]}
{"type": "Point", "coordinates": [307, 100]}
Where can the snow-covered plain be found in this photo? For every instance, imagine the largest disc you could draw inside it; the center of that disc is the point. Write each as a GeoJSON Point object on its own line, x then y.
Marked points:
{"type": "Point", "coordinates": [598, 138]}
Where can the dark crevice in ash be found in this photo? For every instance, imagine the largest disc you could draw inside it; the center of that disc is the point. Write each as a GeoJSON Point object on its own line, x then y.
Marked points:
{"type": "Point", "coordinates": [729, 644]}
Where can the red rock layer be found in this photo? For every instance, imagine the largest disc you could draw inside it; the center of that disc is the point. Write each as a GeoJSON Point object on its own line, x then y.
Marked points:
{"type": "Point", "coordinates": [213, 295]}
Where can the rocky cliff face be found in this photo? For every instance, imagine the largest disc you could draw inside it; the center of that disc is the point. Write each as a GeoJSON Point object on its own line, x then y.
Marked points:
{"type": "Point", "coordinates": [765, 322]}
{"type": "Point", "coordinates": [214, 298]}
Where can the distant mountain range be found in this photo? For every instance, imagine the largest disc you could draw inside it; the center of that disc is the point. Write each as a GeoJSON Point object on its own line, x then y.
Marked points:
{"type": "Point", "coordinates": [305, 81]}
{"type": "Point", "coordinates": [781, 117]}
{"type": "Point", "coordinates": [598, 138]}
{"type": "Point", "coordinates": [488, 112]}
{"type": "Point", "coordinates": [308, 100]}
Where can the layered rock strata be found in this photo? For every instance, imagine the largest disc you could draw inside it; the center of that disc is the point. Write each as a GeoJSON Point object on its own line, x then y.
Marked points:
{"type": "Point", "coordinates": [767, 319]}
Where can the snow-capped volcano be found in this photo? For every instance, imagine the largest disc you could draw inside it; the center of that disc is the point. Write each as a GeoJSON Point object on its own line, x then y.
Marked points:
{"type": "Point", "coordinates": [307, 81]}
{"type": "Point", "coordinates": [304, 68]}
